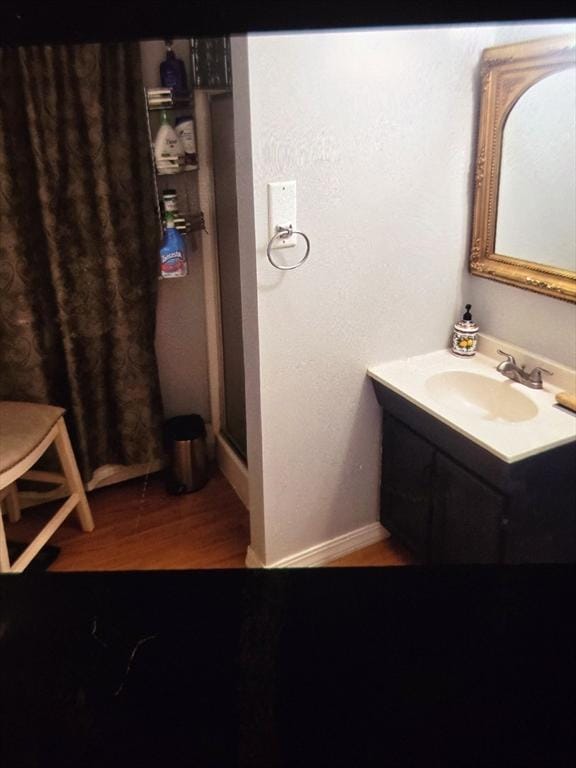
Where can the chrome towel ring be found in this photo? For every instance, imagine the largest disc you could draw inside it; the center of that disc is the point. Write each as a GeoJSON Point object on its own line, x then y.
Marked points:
{"type": "Point", "coordinates": [287, 232]}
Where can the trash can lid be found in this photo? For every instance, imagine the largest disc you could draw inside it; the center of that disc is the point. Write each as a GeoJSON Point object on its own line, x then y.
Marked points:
{"type": "Point", "coordinates": [186, 427]}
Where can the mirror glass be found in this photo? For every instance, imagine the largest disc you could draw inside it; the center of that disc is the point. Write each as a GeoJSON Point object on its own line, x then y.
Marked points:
{"type": "Point", "coordinates": [536, 216]}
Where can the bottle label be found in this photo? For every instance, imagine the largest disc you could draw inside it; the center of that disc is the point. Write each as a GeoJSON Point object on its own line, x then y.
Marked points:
{"type": "Point", "coordinates": [170, 78]}
{"type": "Point", "coordinates": [464, 344]}
{"type": "Point", "coordinates": [173, 264]}
{"type": "Point", "coordinates": [170, 147]}
{"type": "Point", "coordinates": [185, 132]}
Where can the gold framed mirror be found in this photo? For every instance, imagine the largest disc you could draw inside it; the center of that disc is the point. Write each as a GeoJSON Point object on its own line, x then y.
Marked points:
{"type": "Point", "coordinates": [524, 223]}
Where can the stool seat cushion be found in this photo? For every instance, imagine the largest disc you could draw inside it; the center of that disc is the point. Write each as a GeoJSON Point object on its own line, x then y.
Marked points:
{"type": "Point", "coordinates": [23, 426]}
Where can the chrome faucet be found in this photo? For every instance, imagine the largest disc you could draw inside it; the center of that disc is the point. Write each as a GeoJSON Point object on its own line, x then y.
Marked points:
{"type": "Point", "coordinates": [509, 368]}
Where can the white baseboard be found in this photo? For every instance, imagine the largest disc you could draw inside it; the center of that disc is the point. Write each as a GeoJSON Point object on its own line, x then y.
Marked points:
{"type": "Point", "coordinates": [327, 551]}
{"type": "Point", "coordinates": [233, 469]}
{"type": "Point", "coordinates": [252, 559]}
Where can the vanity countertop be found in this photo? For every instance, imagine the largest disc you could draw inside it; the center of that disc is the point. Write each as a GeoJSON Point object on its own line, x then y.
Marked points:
{"type": "Point", "coordinates": [506, 418]}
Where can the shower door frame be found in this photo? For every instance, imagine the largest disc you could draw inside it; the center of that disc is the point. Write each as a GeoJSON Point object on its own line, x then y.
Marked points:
{"type": "Point", "coordinates": [230, 463]}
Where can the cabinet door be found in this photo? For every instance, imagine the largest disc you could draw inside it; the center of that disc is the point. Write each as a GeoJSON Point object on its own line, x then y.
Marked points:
{"type": "Point", "coordinates": [467, 519]}
{"type": "Point", "coordinates": [405, 499]}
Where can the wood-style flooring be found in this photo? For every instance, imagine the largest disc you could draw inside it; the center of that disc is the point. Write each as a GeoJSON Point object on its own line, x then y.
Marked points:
{"type": "Point", "coordinates": [140, 527]}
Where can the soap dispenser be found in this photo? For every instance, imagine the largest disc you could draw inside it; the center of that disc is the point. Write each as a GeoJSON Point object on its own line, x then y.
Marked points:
{"type": "Point", "coordinates": [464, 337]}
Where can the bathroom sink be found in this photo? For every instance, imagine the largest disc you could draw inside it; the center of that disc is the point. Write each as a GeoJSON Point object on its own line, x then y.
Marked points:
{"type": "Point", "coordinates": [479, 396]}
{"type": "Point", "coordinates": [468, 394]}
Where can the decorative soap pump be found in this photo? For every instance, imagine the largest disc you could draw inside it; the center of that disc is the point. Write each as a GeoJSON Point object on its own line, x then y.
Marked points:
{"type": "Point", "coordinates": [464, 337]}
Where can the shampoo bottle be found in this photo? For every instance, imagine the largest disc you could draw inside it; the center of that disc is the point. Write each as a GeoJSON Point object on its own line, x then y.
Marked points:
{"type": "Point", "coordinates": [173, 251]}
{"type": "Point", "coordinates": [184, 127]}
{"type": "Point", "coordinates": [173, 73]}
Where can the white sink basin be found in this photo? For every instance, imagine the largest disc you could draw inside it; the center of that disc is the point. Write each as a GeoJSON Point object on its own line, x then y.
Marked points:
{"type": "Point", "coordinates": [479, 396]}
{"type": "Point", "coordinates": [507, 418]}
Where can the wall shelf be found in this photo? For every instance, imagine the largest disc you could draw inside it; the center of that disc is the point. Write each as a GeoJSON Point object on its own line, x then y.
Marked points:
{"type": "Point", "coordinates": [176, 173]}
{"type": "Point", "coordinates": [168, 107]}
{"type": "Point", "coordinates": [186, 222]}
{"type": "Point", "coordinates": [171, 101]}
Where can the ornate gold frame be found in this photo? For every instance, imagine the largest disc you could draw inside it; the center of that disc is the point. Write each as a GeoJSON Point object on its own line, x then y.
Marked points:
{"type": "Point", "coordinates": [506, 73]}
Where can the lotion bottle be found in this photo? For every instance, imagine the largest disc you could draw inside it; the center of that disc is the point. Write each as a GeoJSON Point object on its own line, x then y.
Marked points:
{"type": "Point", "coordinates": [168, 150]}
{"type": "Point", "coordinates": [184, 127]}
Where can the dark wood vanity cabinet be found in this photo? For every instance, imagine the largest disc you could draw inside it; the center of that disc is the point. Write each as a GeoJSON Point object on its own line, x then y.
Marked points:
{"type": "Point", "coordinates": [468, 517]}
{"type": "Point", "coordinates": [407, 463]}
{"type": "Point", "coordinates": [440, 511]}
{"type": "Point", "coordinates": [449, 500]}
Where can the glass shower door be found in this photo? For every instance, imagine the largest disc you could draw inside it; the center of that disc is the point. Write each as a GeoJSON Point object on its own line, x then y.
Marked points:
{"type": "Point", "coordinates": [234, 411]}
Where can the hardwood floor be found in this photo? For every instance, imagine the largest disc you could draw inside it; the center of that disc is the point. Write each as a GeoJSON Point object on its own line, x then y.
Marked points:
{"type": "Point", "coordinates": [140, 527]}
{"type": "Point", "coordinates": [387, 552]}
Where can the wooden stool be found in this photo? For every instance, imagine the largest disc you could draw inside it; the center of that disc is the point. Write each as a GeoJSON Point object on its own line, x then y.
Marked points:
{"type": "Point", "coordinates": [26, 432]}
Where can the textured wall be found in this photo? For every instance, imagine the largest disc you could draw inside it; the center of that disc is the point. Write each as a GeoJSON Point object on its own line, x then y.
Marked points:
{"type": "Point", "coordinates": [181, 318]}
{"type": "Point", "coordinates": [377, 129]}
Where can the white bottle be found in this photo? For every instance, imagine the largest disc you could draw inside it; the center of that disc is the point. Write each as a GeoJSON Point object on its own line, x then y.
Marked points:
{"type": "Point", "coordinates": [184, 127]}
{"type": "Point", "coordinates": [168, 149]}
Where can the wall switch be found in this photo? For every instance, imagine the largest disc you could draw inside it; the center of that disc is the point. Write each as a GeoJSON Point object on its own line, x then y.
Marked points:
{"type": "Point", "coordinates": [281, 211]}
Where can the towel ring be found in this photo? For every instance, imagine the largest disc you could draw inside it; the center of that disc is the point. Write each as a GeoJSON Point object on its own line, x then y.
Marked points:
{"type": "Point", "coordinates": [287, 232]}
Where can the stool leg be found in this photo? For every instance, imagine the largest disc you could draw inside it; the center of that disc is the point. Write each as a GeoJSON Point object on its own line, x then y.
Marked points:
{"type": "Point", "coordinates": [70, 468]}
{"type": "Point", "coordinates": [4, 559]}
{"type": "Point", "coordinates": [12, 504]}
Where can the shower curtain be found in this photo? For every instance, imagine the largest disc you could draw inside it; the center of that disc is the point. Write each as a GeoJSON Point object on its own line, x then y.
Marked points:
{"type": "Point", "coordinates": [78, 247]}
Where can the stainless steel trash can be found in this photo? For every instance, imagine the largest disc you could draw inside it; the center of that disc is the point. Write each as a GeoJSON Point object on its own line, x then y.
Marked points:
{"type": "Point", "coordinates": [185, 438]}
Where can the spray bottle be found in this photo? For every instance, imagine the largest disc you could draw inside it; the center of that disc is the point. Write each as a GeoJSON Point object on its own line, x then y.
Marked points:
{"type": "Point", "coordinates": [173, 251]}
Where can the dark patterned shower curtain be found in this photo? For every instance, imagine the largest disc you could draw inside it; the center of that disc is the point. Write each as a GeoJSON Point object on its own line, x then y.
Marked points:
{"type": "Point", "coordinates": [78, 247]}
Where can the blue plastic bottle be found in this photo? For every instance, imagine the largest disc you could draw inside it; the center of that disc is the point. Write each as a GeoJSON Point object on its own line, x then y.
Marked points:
{"type": "Point", "coordinates": [173, 73]}
{"type": "Point", "coordinates": [173, 252]}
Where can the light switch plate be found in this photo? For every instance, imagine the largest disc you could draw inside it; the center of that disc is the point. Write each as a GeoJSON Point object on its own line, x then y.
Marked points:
{"type": "Point", "coordinates": [281, 211]}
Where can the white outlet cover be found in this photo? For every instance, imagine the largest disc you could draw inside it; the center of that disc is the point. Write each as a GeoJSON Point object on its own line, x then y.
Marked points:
{"type": "Point", "coordinates": [281, 212]}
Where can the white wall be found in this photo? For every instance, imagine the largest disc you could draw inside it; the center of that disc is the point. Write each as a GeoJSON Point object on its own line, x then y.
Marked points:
{"type": "Point", "coordinates": [377, 129]}
{"type": "Point", "coordinates": [181, 318]}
